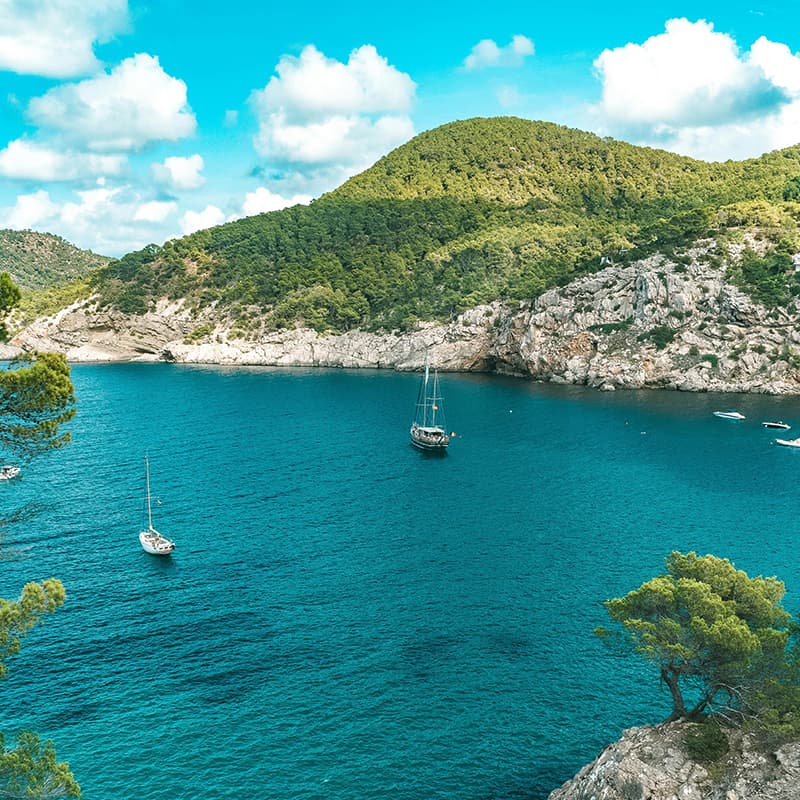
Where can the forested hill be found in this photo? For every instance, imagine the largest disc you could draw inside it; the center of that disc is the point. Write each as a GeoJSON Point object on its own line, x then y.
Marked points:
{"type": "Point", "coordinates": [511, 160]}
{"type": "Point", "coordinates": [470, 212]}
{"type": "Point", "coordinates": [41, 260]}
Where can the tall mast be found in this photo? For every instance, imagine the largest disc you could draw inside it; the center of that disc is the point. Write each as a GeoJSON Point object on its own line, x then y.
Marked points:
{"type": "Point", "coordinates": [149, 512]}
{"type": "Point", "coordinates": [434, 398]}
{"type": "Point", "coordinates": [425, 394]}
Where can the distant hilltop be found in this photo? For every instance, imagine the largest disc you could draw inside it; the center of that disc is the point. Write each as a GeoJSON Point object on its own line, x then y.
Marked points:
{"type": "Point", "coordinates": [505, 244]}
{"type": "Point", "coordinates": [41, 260]}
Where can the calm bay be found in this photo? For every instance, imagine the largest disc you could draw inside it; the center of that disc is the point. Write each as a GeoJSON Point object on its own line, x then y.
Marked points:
{"type": "Point", "coordinates": [346, 617]}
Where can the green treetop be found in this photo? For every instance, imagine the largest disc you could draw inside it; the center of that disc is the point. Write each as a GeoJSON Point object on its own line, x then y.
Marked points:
{"type": "Point", "coordinates": [36, 398]}
{"type": "Point", "coordinates": [703, 624]}
{"type": "Point", "coordinates": [29, 769]}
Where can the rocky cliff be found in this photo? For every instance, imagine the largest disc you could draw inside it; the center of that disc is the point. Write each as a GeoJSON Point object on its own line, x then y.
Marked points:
{"type": "Point", "coordinates": [652, 763]}
{"type": "Point", "coordinates": [650, 323]}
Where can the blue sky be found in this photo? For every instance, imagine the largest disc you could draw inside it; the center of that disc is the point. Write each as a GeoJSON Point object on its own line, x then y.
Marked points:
{"type": "Point", "coordinates": [128, 122]}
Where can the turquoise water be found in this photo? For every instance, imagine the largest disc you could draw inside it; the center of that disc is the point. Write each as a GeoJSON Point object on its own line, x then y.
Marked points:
{"type": "Point", "coordinates": [346, 617]}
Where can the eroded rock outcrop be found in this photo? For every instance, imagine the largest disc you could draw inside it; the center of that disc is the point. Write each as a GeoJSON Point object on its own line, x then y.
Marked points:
{"type": "Point", "coordinates": [652, 763]}
{"type": "Point", "coordinates": [651, 323]}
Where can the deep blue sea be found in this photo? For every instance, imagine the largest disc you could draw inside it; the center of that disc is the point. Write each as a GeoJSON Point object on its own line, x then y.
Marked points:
{"type": "Point", "coordinates": [346, 617]}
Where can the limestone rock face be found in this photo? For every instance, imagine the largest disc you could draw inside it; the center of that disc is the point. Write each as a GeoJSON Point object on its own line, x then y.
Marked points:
{"type": "Point", "coordinates": [652, 323]}
{"type": "Point", "coordinates": [651, 763]}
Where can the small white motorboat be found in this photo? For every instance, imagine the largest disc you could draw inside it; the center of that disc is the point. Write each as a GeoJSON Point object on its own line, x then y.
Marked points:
{"type": "Point", "coordinates": [789, 442]}
{"type": "Point", "coordinates": [8, 471]}
{"type": "Point", "coordinates": [729, 415]}
{"type": "Point", "coordinates": [779, 424]}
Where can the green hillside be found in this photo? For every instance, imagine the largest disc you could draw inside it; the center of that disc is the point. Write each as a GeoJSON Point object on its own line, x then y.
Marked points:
{"type": "Point", "coordinates": [467, 213]}
{"type": "Point", "coordinates": [41, 260]}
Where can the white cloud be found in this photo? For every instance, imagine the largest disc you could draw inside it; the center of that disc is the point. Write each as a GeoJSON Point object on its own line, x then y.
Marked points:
{"type": "Point", "coordinates": [691, 89]}
{"type": "Point", "coordinates": [487, 53]}
{"type": "Point", "coordinates": [231, 118]}
{"type": "Point", "coordinates": [92, 202]}
{"type": "Point", "coordinates": [193, 221]}
{"type": "Point", "coordinates": [107, 220]}
{"type": "Point", "coordinates": [30, 210]}
{"type": "Point", "coordinates": [336, 139]}
{"type": "Point", "coordinates": [24, 160]}
{"type": "Point", "coordinates": [263, 200]}
{"type": "Point", "coordinates": [126, 109]}
{"type": "Point", "coordinates": [155, 211]}
{"type": "Point", "coordinates": [177, 172]}
{"type": "Point", "coordinates": [319, 111]}
{"type": "Point", "coordinates": [55, 38]}
{"type": "Point", "coordinates": [314, 85]}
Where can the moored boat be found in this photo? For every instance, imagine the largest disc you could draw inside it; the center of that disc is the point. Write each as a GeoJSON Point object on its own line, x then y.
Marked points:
{"type": "Point", "coordinates": [729, 415]}
{"type": "Point", "coordinates": [788, 442]}
{"type": "Point", "coordinates": [8, 471]}
{"type": "Point", "coordinates": [427, 430]}
{"type": "Point", "coordinates": [151, 540]}
{"type": "Point", "coordinates": [780, 424]}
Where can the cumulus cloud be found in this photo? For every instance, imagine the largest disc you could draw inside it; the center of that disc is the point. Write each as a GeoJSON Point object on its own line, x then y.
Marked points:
{"type": "Point", "coordinates": [81, 220]}
{"type": "Point", "coordinates": [55, 38]}
{"type": "Point", "coordinates": [177, 172]}
{"type": "Point", "coordinates": [335, 139]}
{"type": "Point", "coordinates": [108, 220]}
{"type": "Point", "coordinates": [263, 200]}
{"type": "Point", "coordinates": [193, 221]}
{"type": "Point", "coordinates": [155, 211]}
{"type": "Point", "coordinates": [29, 210]}
{"type": "Point", "coordinates": [691, 89]}
{"type": "Point", "coordinates": [135, 104]}
{"type": "Point", "coordinates": [320, 112]}
{"type": "Point", "coordinates": [25, 160]}
{"type": "Point", "coordinates": [487, 53]}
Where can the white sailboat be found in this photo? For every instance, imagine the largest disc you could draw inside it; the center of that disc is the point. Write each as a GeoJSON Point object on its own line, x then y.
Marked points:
{"type": "Point", "coordinates": [151, 540]}
{"type": "Point", "coordinates": [428, 433]}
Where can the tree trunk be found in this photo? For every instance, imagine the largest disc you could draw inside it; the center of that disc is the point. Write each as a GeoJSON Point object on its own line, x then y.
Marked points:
{"type": "Point", "coordinates": [670, 677]}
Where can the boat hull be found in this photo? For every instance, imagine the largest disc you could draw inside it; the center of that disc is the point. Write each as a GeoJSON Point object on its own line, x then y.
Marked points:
{"type": "Point", "coordinates": [788, 442]}
{"type": "Point", "coordinates": [430, 448]}
{"type": "Point", "coordinates": [729, 415]}
{"type": "Point", "coordinates": [7, 473]}
{"type": "Point", "coordinates": [155, 544]}
{"type": "Point", "coordinates": [432, 439]}
{"type": "Point", "coordinates": [779, 425]}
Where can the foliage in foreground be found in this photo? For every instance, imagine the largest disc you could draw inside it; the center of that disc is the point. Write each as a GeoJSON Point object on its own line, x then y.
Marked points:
{"type": "Point", "coordinates": [28, 768]}
{"type": "Point", "coordinates": [712, 632]}
{"type": "Point", "coordinates": [36, 399]}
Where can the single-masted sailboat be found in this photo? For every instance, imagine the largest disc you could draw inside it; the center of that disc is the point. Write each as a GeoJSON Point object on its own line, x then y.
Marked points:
{"type": "Point", "coordinates": [427, 430]}
{"type": "Point", "coordinates": [151, 540]}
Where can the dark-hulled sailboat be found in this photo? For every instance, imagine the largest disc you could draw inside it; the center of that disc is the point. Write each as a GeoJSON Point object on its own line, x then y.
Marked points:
{"type": "Point", "coordinates": [427, 430]}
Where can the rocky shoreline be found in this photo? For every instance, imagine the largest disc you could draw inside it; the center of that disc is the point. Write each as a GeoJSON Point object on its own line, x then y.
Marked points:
{"type": "Point", "coordinates": [652, 763]}
{"type": "Point", "coordinates": [653, 323]}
